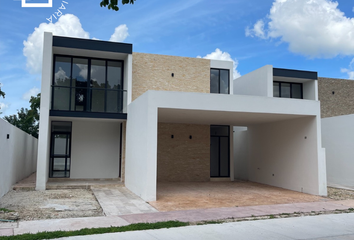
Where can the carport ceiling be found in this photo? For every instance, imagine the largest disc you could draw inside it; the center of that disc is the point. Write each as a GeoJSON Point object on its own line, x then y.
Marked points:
{"type": "Point", "coordinates": [168, 115]}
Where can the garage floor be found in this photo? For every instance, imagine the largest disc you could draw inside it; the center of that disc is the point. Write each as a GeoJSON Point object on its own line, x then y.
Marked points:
{"type": "Point", "coordinates": [193, 195]}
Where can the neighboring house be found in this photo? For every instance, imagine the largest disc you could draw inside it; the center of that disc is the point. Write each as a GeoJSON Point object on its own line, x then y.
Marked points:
{"type": "Point", "coordinates": [107, 112]}
{"type": "Point", "coordinates": [337, 110]}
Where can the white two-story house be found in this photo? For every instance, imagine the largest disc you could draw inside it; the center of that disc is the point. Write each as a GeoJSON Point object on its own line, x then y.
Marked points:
{"type": "Point", "coordinates": [110, 113]}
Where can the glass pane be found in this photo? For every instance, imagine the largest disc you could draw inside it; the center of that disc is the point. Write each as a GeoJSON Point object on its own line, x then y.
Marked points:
{"type": "Point", "coordinates": [224, 81]}
{"type": "Point", "coordinates": [62, 71]}
{"type": "Point", "coordinates": [214, 81]}
{"type": "Point", "coordinates": [79, 99]}
{"type": "Point", "coordinates": [60, 174]}
{"type": "Point", "coordinates": [61, 98]}
{"type": "Point", "coordinates": [285, 90]}
{"type": "Point", "coordinates": [80, 71]}
{"type": "Point", "coordinates": [97, 100]}
{"type": "Point", "coordinates": [219, 131]}
{"type": "Point", "coordinates": [114, 75]}
{"type": "Point", "coordinates": [112, 101]}
{"type": "Point", "coordinates": [276, 89]}
{"type": "Point", "coordinates": [60, 163]}
{"type": "Point", "coordinates": [214, 157]}
{"type": "Point", "coordinates": [98, 74]}
{"type": "Point", "coordinates": [296, 90]}
{"type": "Point", "coordinates": [224, 156]}
{"type": "Point", "coordinates": [60, 144]}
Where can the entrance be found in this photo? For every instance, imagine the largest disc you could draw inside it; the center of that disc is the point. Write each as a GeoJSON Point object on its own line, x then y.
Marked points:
{"type": "Point", "coordinates": [219, 151]}
{"type": "Point", "coordinates": [60, 153]}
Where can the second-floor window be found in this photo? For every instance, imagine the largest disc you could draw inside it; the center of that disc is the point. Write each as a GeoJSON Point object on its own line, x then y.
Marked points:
{"type": "Point", "coordinates": [89, 85]}
{"type": "Point", "coordinates": [287, 90]}
{"type": "Point", "coordinates": [219, 81]}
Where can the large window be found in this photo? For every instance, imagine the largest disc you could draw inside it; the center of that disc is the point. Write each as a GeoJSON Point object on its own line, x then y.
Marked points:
{"type": "Point", "coordinates": [287, 90]}
{"type": "Point", "coordinates": [219, 81]}
{"type": "Point", "coordinates": [89, 85]}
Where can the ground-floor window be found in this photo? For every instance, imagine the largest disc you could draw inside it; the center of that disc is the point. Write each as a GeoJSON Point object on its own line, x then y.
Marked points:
{"type": "Point", "coordinates": [60, 150]}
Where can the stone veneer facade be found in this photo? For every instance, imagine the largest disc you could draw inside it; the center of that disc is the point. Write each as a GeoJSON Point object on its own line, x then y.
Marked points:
{"type": "Point", "coordinates": [180, 158]}
{"type": "Point", "coordinates": [336, 96]}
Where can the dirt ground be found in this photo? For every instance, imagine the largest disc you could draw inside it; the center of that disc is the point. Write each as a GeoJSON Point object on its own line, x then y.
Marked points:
{"type": "Point", "coordinates": [340, 194]}
{"type": "Point", "coordinates": [35, 205]}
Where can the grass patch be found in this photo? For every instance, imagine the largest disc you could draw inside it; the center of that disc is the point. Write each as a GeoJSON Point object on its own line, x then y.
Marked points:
{"type": "Point", "coordinates": [5, 210]}
{"type": "Point", "coordinates": [91, 231]}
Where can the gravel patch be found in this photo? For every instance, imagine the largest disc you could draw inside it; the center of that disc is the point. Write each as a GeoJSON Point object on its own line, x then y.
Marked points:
{"type": "Point", "coordinates": [50, 204]}
{"type": "Point", "coordinates": [340, 194]}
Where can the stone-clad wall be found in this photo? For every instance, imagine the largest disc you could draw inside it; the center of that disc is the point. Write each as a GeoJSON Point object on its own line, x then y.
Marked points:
{"type": "Point", "coordinates": [153, 72]}
{"type": "Point", "coordinates": [339, 103]}
{"type": "Point", "coordinates": [180, 158]}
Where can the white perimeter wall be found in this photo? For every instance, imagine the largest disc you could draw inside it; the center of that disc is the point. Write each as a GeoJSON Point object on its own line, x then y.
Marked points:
{"type": "Point", "coordinates": [18, 156]}
{"type": "Point", "coordinates": [338, 139]}
{"type": "Point", "coordinates": [256, 83]}
{"type": "Point", "coordinates": [288, 149]}
{"type": "Point", "coordinates": [95, 149]}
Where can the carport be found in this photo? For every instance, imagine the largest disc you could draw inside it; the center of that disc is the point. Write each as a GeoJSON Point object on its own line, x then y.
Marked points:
{"type": "Point", "coordinates": [281, 147]}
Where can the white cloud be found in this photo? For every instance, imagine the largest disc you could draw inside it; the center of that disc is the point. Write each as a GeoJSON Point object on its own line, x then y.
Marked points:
{"type": "Point", "coordinates": [220, 55]}
{"type": "Point", "coordinates": [314, 28]}
{"type": "Point", "coordinates": [120, 33]}
{"type": "Point", "coordinates": [3, 106]}
{"type": "Point", "coordinates": [32, 92]}
{"type": "Point", "coordinates": [68, 25]}
{"type": "Point", "coordinates": [257, 30]}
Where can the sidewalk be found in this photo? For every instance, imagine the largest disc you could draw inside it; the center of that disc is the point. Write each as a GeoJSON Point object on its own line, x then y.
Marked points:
{"type": "Point", "coordinates": [324, 227]}
{"type": "Point", "coordinates": [184, 216]}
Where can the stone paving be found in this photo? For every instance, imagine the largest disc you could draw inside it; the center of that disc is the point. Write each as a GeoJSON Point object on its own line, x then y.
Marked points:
{"type": "Point", "coordinates": [186, 215]}
{"type": "Point", "coordinates": [120, 201]}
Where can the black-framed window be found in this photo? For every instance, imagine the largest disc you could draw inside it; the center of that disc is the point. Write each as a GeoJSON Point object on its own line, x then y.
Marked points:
{"type": "Point", "coordinates": [287, 90]}
{"type": "Point", "coordinates": [87, 84]}
{"type": "Point", "coordinates": [219, 81]}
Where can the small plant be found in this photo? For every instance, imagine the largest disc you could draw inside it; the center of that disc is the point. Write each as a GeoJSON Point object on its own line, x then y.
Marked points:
{"type": "Point", "coordinates": [6, 210]}
{"type": "Point", "coordinates": [271, 216]}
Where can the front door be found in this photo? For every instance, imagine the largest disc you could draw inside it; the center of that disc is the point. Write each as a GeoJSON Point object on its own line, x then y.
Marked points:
{"type": "Point", "coordinates": [60, 154]}
{"type": "Point", "coordinates": [219, 151]}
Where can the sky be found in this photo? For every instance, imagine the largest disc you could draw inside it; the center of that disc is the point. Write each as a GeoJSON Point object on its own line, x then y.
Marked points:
{"type": "Point", "coordinates": [313, 35]}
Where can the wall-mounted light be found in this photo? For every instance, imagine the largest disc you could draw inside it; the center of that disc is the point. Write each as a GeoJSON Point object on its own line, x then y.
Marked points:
{"type": "Point", "coordinates": [172, 74]}
{"type": "Point", "coordinates": [333, 92]}
{"type": "Point", "coordinates": [305, 137]}
{"type": "Point", "coordinates": [172, 136]}
{"type": "Point", "coordinates": [8, 136]}
{"type": "Point", "coordinates": [190, 136]}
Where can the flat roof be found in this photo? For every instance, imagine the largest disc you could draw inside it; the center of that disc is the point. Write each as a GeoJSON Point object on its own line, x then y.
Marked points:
{"type": "Point", "coordinates": [89, 44]}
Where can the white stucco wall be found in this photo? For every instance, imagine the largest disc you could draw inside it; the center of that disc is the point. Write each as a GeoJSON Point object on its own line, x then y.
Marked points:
{"type": "Point", "coordinates": [285, 154]}
{"type": "Point", "coordinates": [44, 127]}
{"type": "Point", "coordinates": [338, 139]}
{"type": "Point", "coordinates": [18, 156]}
{"type": "Point", "coordinates": [141, 148]}
{"type": "Point", "coordinates": [256, 83]}
{"type": "Point", "coordinates": [95, 149]}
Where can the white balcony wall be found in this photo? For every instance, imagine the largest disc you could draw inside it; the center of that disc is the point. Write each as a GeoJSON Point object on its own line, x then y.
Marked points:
{"type": "Point", "coordinates": [256, 83]}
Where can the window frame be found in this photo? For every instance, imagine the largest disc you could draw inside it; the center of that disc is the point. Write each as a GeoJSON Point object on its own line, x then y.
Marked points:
{"type": "Point", "coordinates": [228, 75]}
{"type": "Point", "coordinates": [291, 89]}
{"type": "Point", "coordinates": [88, 88]}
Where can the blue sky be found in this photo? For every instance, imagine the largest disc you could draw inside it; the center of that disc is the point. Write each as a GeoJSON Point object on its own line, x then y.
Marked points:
{"type": "Point", "coordinates": [316, 35]}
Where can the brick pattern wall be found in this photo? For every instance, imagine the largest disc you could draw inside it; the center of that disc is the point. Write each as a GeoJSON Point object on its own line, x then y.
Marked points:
{"type": "Point", "coordinates": [339, 103]}
{"type": "Point", "coordinates": [153, 72]}
{"type": "Point", "coordinates": [181, 159]}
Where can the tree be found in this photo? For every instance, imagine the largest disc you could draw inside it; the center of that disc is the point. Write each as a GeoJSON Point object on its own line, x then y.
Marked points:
{"type": "Point", "coordinates": [113, 4]}
{"type": "Point", "coordinates": [27, 119]}
{"type": "Point", "coordinates": [2, 94]}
